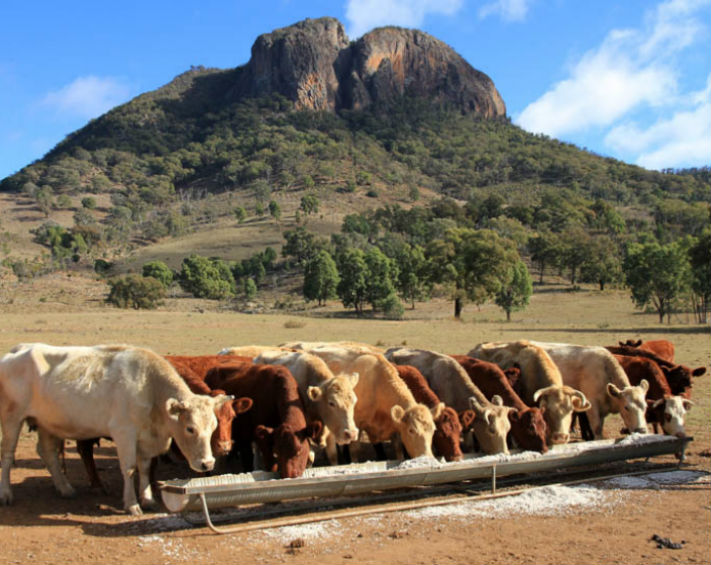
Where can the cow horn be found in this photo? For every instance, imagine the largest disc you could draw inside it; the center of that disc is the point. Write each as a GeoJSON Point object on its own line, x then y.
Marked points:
{"type": "Point", "coordinates": [496, 400]}
{"type": "Point", "coordinates": [658, 403]}
{"type": "Point", "coordinates": [543, 392]}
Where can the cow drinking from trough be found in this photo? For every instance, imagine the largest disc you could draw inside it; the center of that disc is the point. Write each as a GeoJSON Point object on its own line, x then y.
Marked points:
{"type": "Point", "coordinates": [129, 394]}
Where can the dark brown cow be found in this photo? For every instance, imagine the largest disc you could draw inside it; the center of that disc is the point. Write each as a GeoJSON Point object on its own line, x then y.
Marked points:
{"type": "Point", "coordinates": [448, 429]}
{"type": "Point", "coordinates": [527, 424]}
{"type": "Point", "coordinates": [193, 370]}
{"type": "Point", "coordinates": [662, 348]}
{"type": "Point", "coordinates": [678, 376]}
{"type": "Point", "coordinates": [276, 421]}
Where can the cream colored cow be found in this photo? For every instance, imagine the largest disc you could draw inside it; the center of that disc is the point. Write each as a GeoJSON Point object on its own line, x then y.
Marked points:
{"type": "Point", "coordinates": [131, 395]}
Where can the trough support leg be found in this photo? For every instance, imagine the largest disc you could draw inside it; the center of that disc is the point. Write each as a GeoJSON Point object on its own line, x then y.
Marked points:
{"type": "Point", "coordinates": [493, 479]}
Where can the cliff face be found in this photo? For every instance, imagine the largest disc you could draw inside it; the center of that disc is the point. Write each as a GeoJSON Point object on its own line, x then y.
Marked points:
{"type": "Point", "coordinates": [313, 64]}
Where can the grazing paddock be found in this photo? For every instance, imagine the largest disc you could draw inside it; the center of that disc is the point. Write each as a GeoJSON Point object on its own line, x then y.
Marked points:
{"type": "Point", "coordinates": [602, 522]}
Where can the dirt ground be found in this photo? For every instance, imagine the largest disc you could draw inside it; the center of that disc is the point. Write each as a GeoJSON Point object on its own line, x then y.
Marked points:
{"type": "Point", "coordinates": [614, 524]}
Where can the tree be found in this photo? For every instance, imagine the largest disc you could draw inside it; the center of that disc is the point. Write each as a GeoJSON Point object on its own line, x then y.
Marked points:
{"type": "Point", "coordinates": [516, 290]}
{"type": "Point", "coordinates": [544, 248]}
{"type": "Point", "coordinates": [575, 250]}
{"type": "Point", "coordinates": [159, 271]}
{"type": "Point", "coordinates": [240, 214]}
{"type": "Point", "coordinates": [249, 287]}
{"type": "Point", "coordinates": [321, 278]}
{"type": "Point", "coordinates": [379, 281]}
{"type": "Point", "coordinates": [656, 273]}
{"type": "Point", "coordinates": [88, 202]}
{"type": "Point", "coordinates": [473, 263]}
{"type": "Point", "coordinates": [700, 260]}
{"type": "Point", "coordinates": [602, 265]}
{"type": "Point", "coordinates": [135, 291]}
{"type": "Point", "coordinates": [309, 204]}
{"type": "Point", "coordinates": [274, 210]}
{"type": "Point", "coordinates": [353, 272]}
{"type": "Point", "coordinates": [300, 244]}
{"type": "Point", "coordinates": [206, 278]}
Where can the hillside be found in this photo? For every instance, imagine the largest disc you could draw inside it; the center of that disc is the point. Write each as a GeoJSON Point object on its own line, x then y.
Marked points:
{"type": "Point", "coordinates": [396, 117]}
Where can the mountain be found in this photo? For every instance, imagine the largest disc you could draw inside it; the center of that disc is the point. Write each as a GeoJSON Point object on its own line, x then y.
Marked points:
{"type": "Point", "coordinates": [395, 116]}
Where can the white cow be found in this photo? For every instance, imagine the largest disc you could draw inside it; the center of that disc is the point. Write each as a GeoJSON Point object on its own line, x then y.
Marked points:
{"type": "Point", "coordinates": [129, 394]}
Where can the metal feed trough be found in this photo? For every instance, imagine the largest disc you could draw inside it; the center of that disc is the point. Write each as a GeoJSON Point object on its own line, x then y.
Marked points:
{"type": "Point", "coordinates": [185, 495]}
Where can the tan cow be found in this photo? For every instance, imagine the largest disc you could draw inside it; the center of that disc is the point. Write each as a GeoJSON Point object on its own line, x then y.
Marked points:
{"type": "Point", "coordinates": [595, 371]}
{"type": "Point", "coordinates": [451, 383]}
{"type": "Point", "coordinates": [129, 394]}
{"type": "Point", "coordinates": [308, 345]}
{"type": "Point", "coordinates": [252, 350]}
{"type": "Point", "coordinates": [541, 383]}
{"type": "Point", "coordinates": [385, 406]}
{"type": "Point", "coordinates": [328, 398]}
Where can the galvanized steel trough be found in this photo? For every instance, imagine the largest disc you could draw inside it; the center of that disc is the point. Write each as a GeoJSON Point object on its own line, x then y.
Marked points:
{"type": "Point", "coordinates": [183, 495]}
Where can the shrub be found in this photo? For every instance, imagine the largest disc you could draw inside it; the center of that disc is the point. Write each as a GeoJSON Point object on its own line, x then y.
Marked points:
{"type": "Point", "coordinates": [392, 307]}
{"type": "Point", "coordinates": [135, 291]}
{"type": "Point", "coordinates": [88, 202]}
{"type": "Point", "coordinates": [207, 278]}
{"type": "Point", "coordinates": [159, 271]}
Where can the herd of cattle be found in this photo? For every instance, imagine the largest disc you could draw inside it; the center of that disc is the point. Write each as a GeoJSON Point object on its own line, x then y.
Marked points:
{"type": "Point", "coordinates": [292, 400]}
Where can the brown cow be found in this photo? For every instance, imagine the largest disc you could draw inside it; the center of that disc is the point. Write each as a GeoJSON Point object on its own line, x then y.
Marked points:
{"type": "Point", "coordinates": [448, 429]}
{"type": "Point", "coordinates": [678, 376]}
{"type": "Point", "coordinates": [662, 348]}
{"type": "Point", "coordinates": [528, 427]}
{"type": "Point", "coordinates": [276, 421]}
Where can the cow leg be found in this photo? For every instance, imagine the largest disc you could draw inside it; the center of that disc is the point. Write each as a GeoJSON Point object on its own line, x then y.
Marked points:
{"type": "Point", "coordinates": [344, 454]}
{"type": "Point", "coordinates": [126, 450]}
{"type": "Point", "coordinates": [380, 454]}
{"type": "Point", "coordinates": [48, 448]}
{"type": "Point", "coordinates": [85, 447]}
{"type": "Point", "coordinates": [11, 425]}
{"type": "Point", "coordinates": [145, 493]}
{"type": "Point", "coordinates": [596, 421]}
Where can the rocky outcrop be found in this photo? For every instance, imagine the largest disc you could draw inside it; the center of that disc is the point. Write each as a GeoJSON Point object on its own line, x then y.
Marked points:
{"type": "Point", "coordinates": [313, 64]}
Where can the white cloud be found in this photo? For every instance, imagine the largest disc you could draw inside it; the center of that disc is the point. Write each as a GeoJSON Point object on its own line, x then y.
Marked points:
{"type": "Point", "coordinates": [364, 15]}
{"type": "Point", "coordinates": [88, 97]}
{"type": "Point", "coordinates": [631, 71]}
{"type": "Point", "coordinates": [682, 140]}
{"type": "Point", "coordinates": [509, 10]}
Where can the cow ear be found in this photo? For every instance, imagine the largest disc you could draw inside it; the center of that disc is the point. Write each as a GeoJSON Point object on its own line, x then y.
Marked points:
{"type": "Point", "coordinates": [175, 408]}
{"type": "Point", "coordinates": [314, 393]}
{"type": "Point", "coordinates": [666, 370]}
{"type": "Point", "coordinates": [242, 405]}
{"type": "Point", "coordinates": [698, 371]}
{"type": "Point", "coordinates": [613, 391]}
{"type": "Point", "coordinates": [354, 378]}
{"type": "Point", "coordinates": [644, 384]}
{"type": "Point", "coordinates": [466, 417]}
{"type": "Point", "coordinates": [263, 432]}
{"type": "Point", "coordinates": [437, 410]}
{"type": "Point", "coordinates": [687, 404]}
{"type": "Point", "coordinates": [314, 430]}
{"type": "Point", "coordinates": [514, 415]}
{"type": "Point", "coordinates": [397, 412]}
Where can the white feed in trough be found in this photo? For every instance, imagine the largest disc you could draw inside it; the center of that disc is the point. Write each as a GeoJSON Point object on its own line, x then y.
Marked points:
{"type": "Point", "coordinates": [183, 495]}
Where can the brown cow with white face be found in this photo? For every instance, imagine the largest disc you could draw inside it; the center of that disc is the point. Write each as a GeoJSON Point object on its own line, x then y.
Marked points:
{"type": "Point", "coordinates": [328, 398]}
{"type": "Point", "coordinates": [541, 384]}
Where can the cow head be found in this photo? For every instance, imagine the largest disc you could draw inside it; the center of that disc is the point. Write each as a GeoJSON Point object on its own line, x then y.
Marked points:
{"type": "Point", "coordinates": [491, 425]}
{"type": "Point", "coordinates": [447, 435]}
{"type": "Point", "coordinates": [221, 441]}
{"type": "Point", "coordinates": [631, 405]}
{"type": "Point", "coordinates": [286, 450]}
{"type": "Point", "coordinates": [335, 402]}
{"type": "Point", "coordinates": [557, 403]}
{"type": "Point", "coordinates": [528, 428]}
{"type": "Point", "coordinates": [670, 411]}
{"type": "Point", "coordinates": [191, 422]}
{"type": "Point", "coordinates": [416, 427]}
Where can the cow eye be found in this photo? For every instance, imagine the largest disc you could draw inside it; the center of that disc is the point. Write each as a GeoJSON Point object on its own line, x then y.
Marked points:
{"type": "Point", "coordinates": [190, 430]}
{"type": "Point", "coordinates": [667, 417]}
{"type": "Point", "coordinates": [331, 403]}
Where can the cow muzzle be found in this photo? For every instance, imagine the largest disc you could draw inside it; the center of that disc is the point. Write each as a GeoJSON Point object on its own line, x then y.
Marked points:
{"type": "Point", "coordinates": [560, 437]}
{"type": "Point", "coordinates": [223, 448]}
{"type": "Point", "coordinates": [207, 464]}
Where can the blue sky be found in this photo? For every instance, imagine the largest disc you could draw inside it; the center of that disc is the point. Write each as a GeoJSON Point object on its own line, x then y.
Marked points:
{"type": "Point", "coordinates": [624, 78]}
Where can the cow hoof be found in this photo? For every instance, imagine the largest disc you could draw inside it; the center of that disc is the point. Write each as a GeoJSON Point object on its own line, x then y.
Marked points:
{"type": "Point", "coordinates": [135, 510]}
{"type": "Point", "coordinates": [5, 499]}
{"type": "Point", "coordinates": [68, 493]}
{"type": "Point", "coordinates": [149, 504]}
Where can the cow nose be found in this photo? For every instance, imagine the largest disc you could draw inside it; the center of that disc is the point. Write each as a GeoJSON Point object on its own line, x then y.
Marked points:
{"type": "Point", "coordinates": [560, 437]}
{"type": "Point", "coordinates": [680, 435]}
{"type": "Point", "coordinates": [347, 435]}
{"type": "Point", "coordinates": [225, 447]}
{"type": "Point", "coordinates": [208, 465]}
